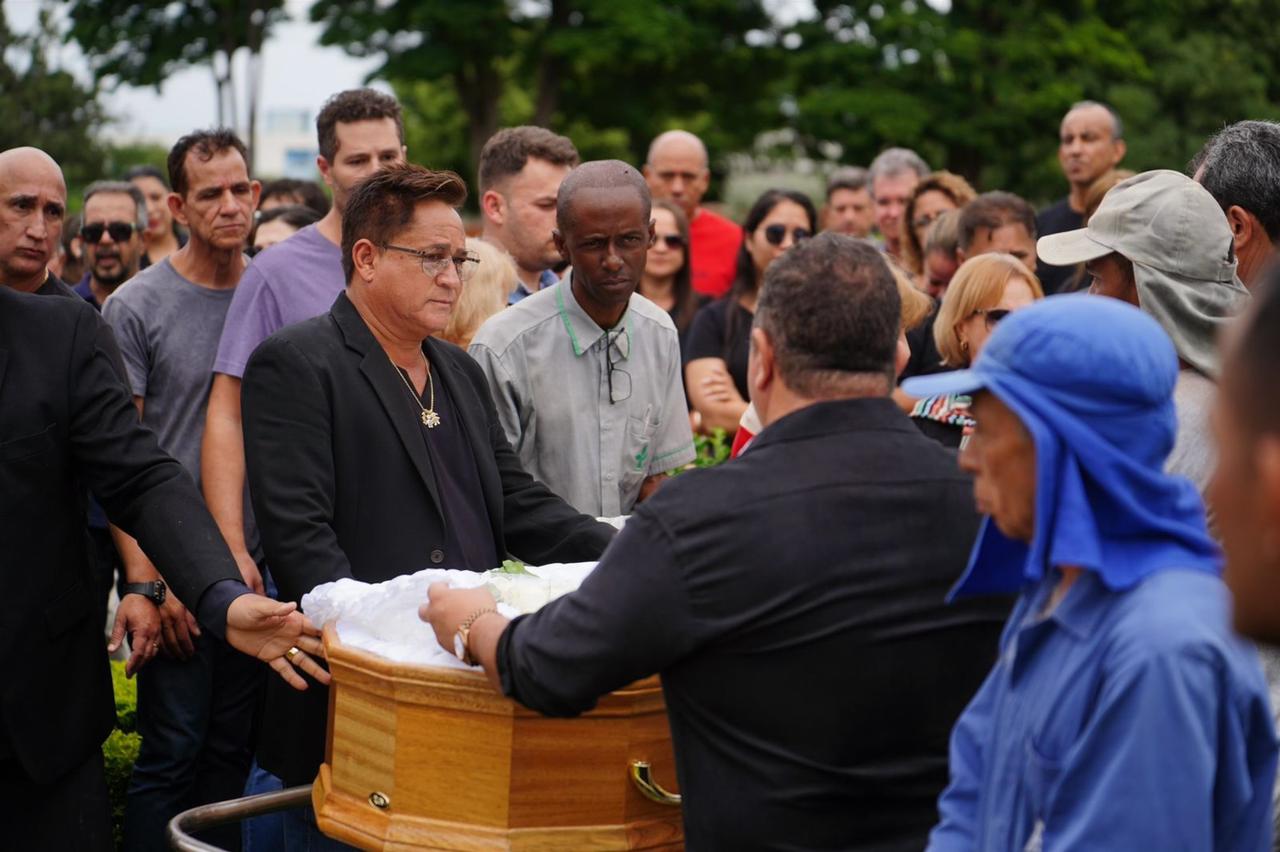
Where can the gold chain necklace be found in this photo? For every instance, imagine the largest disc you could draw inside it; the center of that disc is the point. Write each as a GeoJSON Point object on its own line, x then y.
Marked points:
{"type": "Point", "coordinates": [429, 417]}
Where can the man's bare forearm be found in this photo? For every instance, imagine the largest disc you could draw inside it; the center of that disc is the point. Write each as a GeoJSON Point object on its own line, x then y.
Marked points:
{"type": "Point", "coordinates": [137, 567]}
{"type": "Point", "coordinates": [222, 460]}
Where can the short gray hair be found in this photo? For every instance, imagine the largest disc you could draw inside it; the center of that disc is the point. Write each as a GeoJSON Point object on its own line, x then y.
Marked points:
{"type": "Point", "coordinates": [848, 177]}
{"type": "Point", "coordinates": [1240, 166]}
{"type": "Point", "coordinates": [1117, 126]}
{"type": "Point", "coordinates": [119, 187]}
{"type": "Point", "coordinates": [895, 161]}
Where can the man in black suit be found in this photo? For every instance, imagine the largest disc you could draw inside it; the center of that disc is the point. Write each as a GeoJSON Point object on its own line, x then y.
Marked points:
{"type": "Point", "coordinates": [793, 600]}
{"type": "Point", "coordinates": [67, 420]}
{"type": "Point", "coordinates": [374, 450]}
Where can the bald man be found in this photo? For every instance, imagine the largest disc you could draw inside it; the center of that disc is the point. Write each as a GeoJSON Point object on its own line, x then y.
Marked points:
{"type": "Point", "coordinates": [676, 171]}
{"type": "Point", "coordinates": [33, 205]}
{"type": "Point", "coordinates": [586, 378]}
{"type": "Point", "coordinates": [1090, 144]}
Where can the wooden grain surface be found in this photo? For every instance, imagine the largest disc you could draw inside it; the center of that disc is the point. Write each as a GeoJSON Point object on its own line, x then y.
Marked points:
{"type": "Point", "coordinates": [466, 768]}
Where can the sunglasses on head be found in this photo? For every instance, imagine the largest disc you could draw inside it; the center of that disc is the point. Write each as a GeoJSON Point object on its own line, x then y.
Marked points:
{"type": "Point", "coordinates": [673, 241]}
{"type": "Point", "coordinates": [120, 231]}
{"type": "Point", "coordinates": [775, 234]}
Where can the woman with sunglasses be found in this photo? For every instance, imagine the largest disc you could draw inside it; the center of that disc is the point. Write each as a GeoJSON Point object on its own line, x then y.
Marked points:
{"type": "Point", "coordinates": [715, 372]}
{"type": "Point", "coordinates": [933, 196]}
{"type": "Point", "coordinates": [666, 281]}
{"type": "Point", "coordinates": [984, 291]}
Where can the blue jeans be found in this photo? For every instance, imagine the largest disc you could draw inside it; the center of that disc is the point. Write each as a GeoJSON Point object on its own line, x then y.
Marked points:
{"type": "Point", "coordinates": [262, 833]}
{"type": "Point", "coordinates": [301, 834]}
{"type": "Point", "coordinates": [195, 718]}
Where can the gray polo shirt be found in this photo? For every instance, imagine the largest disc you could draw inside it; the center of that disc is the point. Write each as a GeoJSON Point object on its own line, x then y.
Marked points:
{"type": "Point", "coordinates": [548, 366]}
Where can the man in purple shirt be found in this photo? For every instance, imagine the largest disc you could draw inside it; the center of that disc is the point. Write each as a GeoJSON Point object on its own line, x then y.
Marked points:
{"type": "Point", "coordinates": [360, 131]}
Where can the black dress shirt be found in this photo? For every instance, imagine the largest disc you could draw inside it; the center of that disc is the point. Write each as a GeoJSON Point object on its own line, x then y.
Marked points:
{"type": "Point", "coordinates": [793, 602]}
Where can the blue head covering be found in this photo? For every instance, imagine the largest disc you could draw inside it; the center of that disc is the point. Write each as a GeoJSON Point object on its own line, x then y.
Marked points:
{"type": "Point", "coordinates": [1092, 380]}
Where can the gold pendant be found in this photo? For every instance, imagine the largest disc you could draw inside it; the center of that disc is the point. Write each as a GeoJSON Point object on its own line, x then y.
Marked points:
{"type": "Point", "coordinates": [430, 419]}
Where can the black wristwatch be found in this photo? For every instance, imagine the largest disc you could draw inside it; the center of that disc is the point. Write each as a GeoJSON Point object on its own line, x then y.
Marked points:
{"type": "Point", "coordinates": [153, 591]}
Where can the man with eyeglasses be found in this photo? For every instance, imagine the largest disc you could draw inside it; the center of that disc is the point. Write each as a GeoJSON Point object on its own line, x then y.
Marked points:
{"type": "Point", "coordinates": [373, 448]}
{"type": "Point", "coordinates": [586, 377]}
{"type": "Point", "coordinates": [114, 215]}
{"type": "Point", "coordinates": [677, 170]}
{"type": "Point", "coordinates": [113, 218]}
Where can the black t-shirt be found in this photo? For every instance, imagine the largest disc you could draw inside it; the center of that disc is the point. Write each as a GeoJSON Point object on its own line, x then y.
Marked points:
{"type": "Point", "coordinates": [707, 338]}
{"type": "Point", "coordinates": [468, 540]}
{"type": "Point", "coordinates": [1054, 220]}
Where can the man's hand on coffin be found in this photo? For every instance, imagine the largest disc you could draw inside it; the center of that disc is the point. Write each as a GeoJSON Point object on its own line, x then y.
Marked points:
{"type": "Point", "coordinates": [447, 608]}
{"type": "Point", "coordinates": [270, 630]}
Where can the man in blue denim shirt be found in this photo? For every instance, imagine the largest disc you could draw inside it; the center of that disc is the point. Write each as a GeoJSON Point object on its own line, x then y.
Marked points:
{"type": "Point", "coordinates": [1123, 712]}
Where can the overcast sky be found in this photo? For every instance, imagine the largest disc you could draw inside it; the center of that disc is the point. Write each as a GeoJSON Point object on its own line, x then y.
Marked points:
{"type": "Point", "coordinates": [297, 74]}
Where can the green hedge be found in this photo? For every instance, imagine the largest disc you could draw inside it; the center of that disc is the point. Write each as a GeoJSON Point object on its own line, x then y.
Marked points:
{"type": "Point", "coordinates": [710, 450]}
{"type": "Point", "coordinates": [121, 748]}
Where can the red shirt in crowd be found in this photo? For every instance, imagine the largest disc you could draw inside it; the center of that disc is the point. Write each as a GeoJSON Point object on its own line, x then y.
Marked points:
{"type": "Point", "coordinates": [714, 242]}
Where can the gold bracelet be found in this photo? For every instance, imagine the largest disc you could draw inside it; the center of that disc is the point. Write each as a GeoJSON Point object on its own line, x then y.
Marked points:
{"type": "Point", "coordinates": [462, 639]}
{"type": "Point", "coordinates": [471, 619]}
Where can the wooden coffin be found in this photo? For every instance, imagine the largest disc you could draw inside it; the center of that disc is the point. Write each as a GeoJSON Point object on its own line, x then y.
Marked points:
{"type": "Point", "coordinates": [424, 757]}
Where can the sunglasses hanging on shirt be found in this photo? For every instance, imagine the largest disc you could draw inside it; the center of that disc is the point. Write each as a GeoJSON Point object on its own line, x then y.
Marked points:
{"type": "Point", "coordinates": [775, 234]}
{"type": "Point", "coordinates": [120, 232]}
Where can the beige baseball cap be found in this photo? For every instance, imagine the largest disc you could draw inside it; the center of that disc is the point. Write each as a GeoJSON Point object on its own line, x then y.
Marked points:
{"type": "Point", "coordinates": [1159, 219]}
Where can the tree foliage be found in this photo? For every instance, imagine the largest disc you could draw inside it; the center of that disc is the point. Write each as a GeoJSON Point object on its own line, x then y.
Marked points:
{"type": "Point", "coordinates": [978, 87]}
{"type": "Point", "coordinates": [142, 43]}
{"type": "Point", "coordinates": [46, 106]}
{"type": "Point", "coordinates": [981, 87]}
{"type": "Point", "coordinates": [610, 75]}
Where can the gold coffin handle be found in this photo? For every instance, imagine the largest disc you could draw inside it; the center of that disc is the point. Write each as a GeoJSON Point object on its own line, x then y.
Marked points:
{"type": "Point", "coordinates": [642, 777]}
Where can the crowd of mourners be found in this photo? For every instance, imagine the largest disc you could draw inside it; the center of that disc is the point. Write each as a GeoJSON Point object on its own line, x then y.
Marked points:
{"type": "Point", "coordinates": [994, 566]}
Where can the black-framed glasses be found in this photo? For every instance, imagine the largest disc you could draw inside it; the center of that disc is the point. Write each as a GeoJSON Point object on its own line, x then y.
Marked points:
{"type": "Point", "coordinates": [992, 316]}
{"type": "Point", "coordinates": [120, 232]}
{"type": "Point", "coordinates": [775, 234]}
{"type": "Point", "coordinates": [672, 241]}
{"type": "Point", "coordinates": [619, 380]}
{"type": "Point", "coordinates": [436, 262]}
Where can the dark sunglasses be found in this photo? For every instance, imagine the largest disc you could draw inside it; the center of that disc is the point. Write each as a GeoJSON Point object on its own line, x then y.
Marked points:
{"type": "Point", "coordinates": [673, 241]}
{"type": "Point", "coordinates": [993, 316]}
{"type": "Point", "coordinates": [775, 234]}
{"type": "Point", "coordinates": [120, 231]}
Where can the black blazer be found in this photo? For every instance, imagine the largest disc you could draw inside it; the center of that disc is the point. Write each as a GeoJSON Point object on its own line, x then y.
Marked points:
{"type": "Point", "coordinates": [67, 420]}
{"type": "Point", "coordinates": [342, 486]}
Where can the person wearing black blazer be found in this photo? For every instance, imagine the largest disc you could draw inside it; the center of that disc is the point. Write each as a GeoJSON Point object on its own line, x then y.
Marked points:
{"type": "Point", "coordinates": [373, 451]}
{"type": "Point", "coordinates": [66, 421]}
